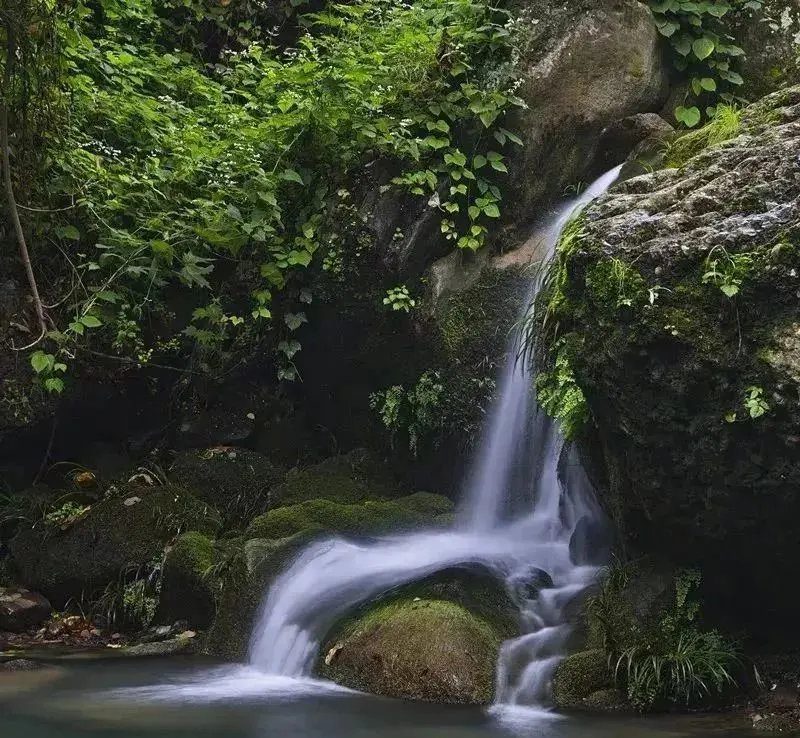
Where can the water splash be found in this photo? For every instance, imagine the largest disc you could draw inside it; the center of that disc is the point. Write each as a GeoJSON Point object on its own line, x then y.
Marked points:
{"type": "Point", "coordinates": [520, 458]}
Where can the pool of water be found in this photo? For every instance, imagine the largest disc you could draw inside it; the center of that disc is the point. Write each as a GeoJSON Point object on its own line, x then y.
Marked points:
{"type": "Point", "coordinates": [179, 698]}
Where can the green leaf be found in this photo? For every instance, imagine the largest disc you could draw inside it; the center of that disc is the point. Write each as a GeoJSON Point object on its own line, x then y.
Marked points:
{"type": "Point", "coordinates": [294, 320]}
{"type": "Point", "coordinates": [729, 289]}
{"type": "Point", "coordinates": [54, 384]}
{"type": "Point", "coordinates": [76, 327]}
{"type": "Point", "coordinates": [709, 84]}
{"type": "Point", "coordinates": [703, 47]}
{"type": "Point", "coordinates": [40, 361]}
{"type": "Point", "coordinates": [70, 232]}
{"type": "Point", "coordinates": [492, 211]}
{"type": "Point", "coordinates": [690, 117]}
{"type": "Point", "coordinates": [478, 162]}
{"type": "Point", "coordinates": [290, 175]}
{"type": "Point", "coordinates": [90, 321]}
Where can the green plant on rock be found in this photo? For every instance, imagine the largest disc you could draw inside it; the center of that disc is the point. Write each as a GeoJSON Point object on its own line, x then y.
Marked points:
{"type": "Point", "coordinates": [65, 515]}
{"type": "Point", "coordinates": [677, 663]}
{"type": "Point", "coordinates": [703, 52]}
{"type": "Point", "coordinates": [399, 298]}
{"type": "Point", "coordinates": [414, 412]}
{"type": "Point", "coordinates": [131, 601]}
{"type": "Point", "coordinates": [727, 271]}
{"type": "Point", "coordinates": [558, 392]}
{"type": "Point", "coordinates": [723, 126]}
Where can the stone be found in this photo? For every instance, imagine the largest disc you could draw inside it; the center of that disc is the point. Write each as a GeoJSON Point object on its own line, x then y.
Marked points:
{"type": "Point", "coordinates": [110, 539]}
{"type": "Point", "coordinates": [580, 675]}
{"type": "Point", "coordinates": [21, 609]}
{"type": "Point", "coordinates": [429, 650]}
{"type": "Point", "coordinates": [583, 65]}
{"type": "Point", "coordinates": [186, 591]}
{"type": "Point", "coordinates": [369, 517]}
{"type": "Point", "coordinates": [693, 390]}
{"type": "Point", "coordinates": [21, 665]}
{"type": "Point", "coordinates": [628, 138]}
{"type": "Point", "coordinates": [236, 481]}
{"type": "Point", "coordinates": [590, 543]}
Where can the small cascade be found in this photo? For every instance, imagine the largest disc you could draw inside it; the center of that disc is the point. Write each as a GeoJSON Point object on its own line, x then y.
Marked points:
{"type": "Point", "coordinates": [523, 503]}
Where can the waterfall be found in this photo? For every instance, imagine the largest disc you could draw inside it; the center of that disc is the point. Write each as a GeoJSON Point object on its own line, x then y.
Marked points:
{"type": "Point", "coordinates": [521, 459]}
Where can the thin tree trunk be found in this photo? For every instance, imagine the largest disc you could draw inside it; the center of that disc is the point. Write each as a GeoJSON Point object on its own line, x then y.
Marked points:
{"type": "Point", "coordinates": [9, 187]}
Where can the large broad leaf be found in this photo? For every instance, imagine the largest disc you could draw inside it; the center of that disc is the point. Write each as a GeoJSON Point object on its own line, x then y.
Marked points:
{"type": "Point", "coordinates": [690, 117]}
{"type": "Point", "coordinates": [703, 47]}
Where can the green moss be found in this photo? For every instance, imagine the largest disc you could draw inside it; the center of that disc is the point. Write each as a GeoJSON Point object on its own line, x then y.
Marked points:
{"type": "Point", "coordinates": [348, 479]}
{"type": "Point", "coordinates": [725, 125]}
{"type": "Point", "coordinates": [118, 535]}
{"type": "Point", "coordinates": [372, 516]}
{"type": "Point", "coordinates": [186, 592]}
{"type": "Point", "coordinates": [580, 675]}
{"type": "Point", "coordinates": [429, 650]}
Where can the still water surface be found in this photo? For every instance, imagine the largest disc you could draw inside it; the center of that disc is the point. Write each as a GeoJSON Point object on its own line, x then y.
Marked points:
{"type": "Point", "coordinates": [177, 698]}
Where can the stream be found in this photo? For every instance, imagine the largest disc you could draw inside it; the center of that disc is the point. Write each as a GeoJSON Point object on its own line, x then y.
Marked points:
{"type": "Point", "coordinates": [117, 698]}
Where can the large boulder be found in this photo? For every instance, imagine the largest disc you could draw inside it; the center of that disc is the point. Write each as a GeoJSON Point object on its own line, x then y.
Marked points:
{"type": "Point", "coordinates": [236, 481]}
{"type": "Point", "coordinates": [675, 301]}
{"type": "Point", "coordinates": [348, 478]}
{"type": "Point", "coordinates": [583, 65]}
{"type": "Point", "coordinates": [110, 539]}
{"type": "Point", "coordinates": [422, 649]}
{"type": "Point", "coordinates": [20, 609]}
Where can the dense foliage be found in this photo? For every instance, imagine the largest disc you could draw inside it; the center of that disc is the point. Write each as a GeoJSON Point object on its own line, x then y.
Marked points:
{"type": "Point", "coordinates": [210, 153]}
{"type": "Point", "coordinates": [704, 51]}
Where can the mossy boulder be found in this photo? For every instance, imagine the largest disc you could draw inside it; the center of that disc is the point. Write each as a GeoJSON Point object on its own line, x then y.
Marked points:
{"type": "Point", "coordinates": [240, 588]}
{"type": "Point", "coordinates": [346, 479]}
{"type": "Point", "coordinates": [113, 537]}
{"type": "Point", "coordinates": [676, 304]}
{"type": "Point", "coordinates": [186, 589]}
{"type": "Point", "coordinates": [421, 649]}
{"type": "Point", "coordinates": [235, 481]}
{"type": "Point", "coordinates": [579, 676]}
{"type": "Point", "coordinates": [371, 516]}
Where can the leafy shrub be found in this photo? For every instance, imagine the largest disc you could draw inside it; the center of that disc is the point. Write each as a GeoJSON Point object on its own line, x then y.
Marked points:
{"type": "Point", "coordinates": [725, 125]}
{"type": "Point", "coordinates": [698, 666]}
{"type": "Point", "coordinates": [174, 171]}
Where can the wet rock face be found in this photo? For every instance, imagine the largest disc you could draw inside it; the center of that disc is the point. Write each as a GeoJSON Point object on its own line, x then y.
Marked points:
{"type": "Point", "coordinates": [21, 608]}
{"type": "Point", "coordinates": [679, 307]}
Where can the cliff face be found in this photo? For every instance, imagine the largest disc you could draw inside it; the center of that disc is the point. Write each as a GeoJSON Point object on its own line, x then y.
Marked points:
{"type": "Point", "coordinates": [676, 308]}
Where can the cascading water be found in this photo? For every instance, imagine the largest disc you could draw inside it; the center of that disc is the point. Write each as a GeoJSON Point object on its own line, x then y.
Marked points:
{"type": "Point", "coordinates": [521, 458]}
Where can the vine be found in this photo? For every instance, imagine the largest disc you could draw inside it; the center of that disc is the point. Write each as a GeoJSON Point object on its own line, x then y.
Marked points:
{"type": "Point", "coordinates": [703, 52]}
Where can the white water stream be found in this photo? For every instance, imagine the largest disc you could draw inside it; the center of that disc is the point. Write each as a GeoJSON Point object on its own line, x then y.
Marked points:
{"type": "Point", "coordinates": [522, 504]}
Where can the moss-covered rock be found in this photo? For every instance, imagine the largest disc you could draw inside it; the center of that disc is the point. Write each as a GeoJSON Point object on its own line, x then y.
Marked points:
{"type": "Point", "coordinates": [429, 650]}
{"type": "Point", "coordinates": [186, 590]}
{"type": "Point", "coordinates": [235, 481]}
{"type": "Point", "coordinates": [347, 479]}
{"type": "Point", "coordinates": [240, 588]}
{"type": "Point", "coordinates": [580, 675]}
{"type": "Point", "coordinates": [371, 516]}
{"type": "Point", "coordinates": [674, 302]}
{"type": "Point", "coordinates": [111, 538]}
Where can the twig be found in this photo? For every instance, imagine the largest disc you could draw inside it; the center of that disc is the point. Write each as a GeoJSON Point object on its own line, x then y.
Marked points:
{"type": "Point", "coordinates": [30, 345]}
{"type": "Point", "coordinates": [149, 364]}
{"type": "Point", "coordinates": [9, 186]}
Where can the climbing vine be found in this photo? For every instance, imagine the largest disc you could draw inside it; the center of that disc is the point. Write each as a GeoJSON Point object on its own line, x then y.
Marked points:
{"type": "Point", "coordinates": [704, 53]}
